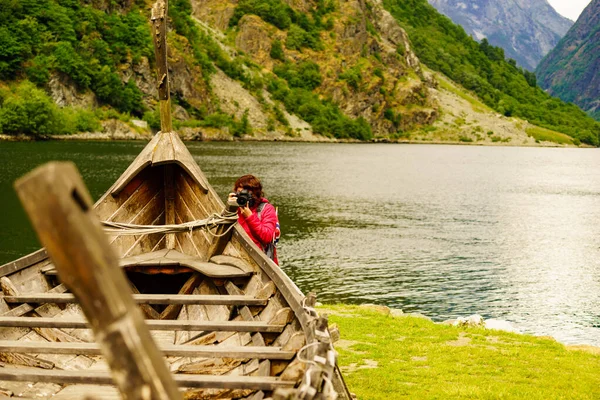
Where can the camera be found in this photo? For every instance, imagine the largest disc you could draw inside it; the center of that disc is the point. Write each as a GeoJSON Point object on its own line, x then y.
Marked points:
{"type": "Point", "coordinates": [244, 197]}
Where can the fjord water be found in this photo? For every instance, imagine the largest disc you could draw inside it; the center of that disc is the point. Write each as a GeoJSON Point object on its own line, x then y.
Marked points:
{"type": "Point", "coordinates": [447, 231]}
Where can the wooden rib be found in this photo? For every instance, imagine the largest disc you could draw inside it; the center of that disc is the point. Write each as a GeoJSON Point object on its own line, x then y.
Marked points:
{"type": "Point", "coordinates": [104, 378]}
{"type": "Point", "coordinates": [245, 313]}
{"type": "Point", "coordinates": [159, 325]}
{"type": "Point", "coordinates": [263, 353]}
{"type": "Point", "coordinates": [134, 246]}
{"type": "Point", "coordinates": [148, 310]}
{"type": "Point", "coordinates": [233, 300]}
{"type": "Point", "coordinates": [188, 287]}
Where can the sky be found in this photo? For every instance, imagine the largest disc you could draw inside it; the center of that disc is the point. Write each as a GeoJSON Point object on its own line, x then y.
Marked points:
{"type": "Point", "coordinates": [569, 8]}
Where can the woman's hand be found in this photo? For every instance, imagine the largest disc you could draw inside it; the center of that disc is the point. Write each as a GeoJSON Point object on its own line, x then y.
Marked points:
{"type": "Point", "coordinates": [232, 199]}
{"type": "Point", "coordinates": [246, 211]}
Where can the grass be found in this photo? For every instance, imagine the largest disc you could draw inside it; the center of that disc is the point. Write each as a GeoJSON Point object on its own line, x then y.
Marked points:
{"type": "Point", "coordinates": [385, 357]}
{"type": "Point", "coordinates": [546, 135]}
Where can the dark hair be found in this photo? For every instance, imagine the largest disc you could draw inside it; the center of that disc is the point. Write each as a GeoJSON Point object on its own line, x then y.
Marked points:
{"type": "Point", "coordinates": [252, 184]}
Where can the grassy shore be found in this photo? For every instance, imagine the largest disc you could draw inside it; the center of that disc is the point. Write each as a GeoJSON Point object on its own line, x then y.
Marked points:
{"type": "Point", "coordinates": [387, 357]}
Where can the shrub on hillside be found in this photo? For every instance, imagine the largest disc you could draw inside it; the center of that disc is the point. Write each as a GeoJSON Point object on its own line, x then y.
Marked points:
{"type": "Point", "coordinates": [30, 111]}
{"type": "Point", "coordinates": [305, 74]}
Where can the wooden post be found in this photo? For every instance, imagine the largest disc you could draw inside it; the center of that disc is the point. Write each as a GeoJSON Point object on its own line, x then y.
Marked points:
{"type": "Point", "coordinates": [159, 30]}
{"type": "Point", "coordinates": [60, 209]}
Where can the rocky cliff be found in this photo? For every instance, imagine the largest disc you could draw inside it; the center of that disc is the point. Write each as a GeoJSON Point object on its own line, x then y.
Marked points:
{"type": "Point", "coordinates": [572, 70]}
{"type": "Point", "coordinates": [526, 29]}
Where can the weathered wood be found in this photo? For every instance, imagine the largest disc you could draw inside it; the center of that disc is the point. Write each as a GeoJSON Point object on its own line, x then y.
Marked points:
{"type": "Point", "coordinates": [25, 359]}
{"type": "Point", "coordinates": [79, 392]}
{"type": "Point", "coordinates": [263, 353]}
{"type": "Point", "coordinates": [212, 366]}
{"type": "Point", "coordinates": [59, 207]}
{"type": "Point", "coordinates": [234, 300]}
{"type": "Point", "coordinates": [23, 262]}
{"type": "Point", "coordinates": [147, 309]}
{"type": "Point", "coordinates": [188, 287]}
{"type": "Point", "coordinates": [169, 184]}
{"type": "Point", "coordinates": [189, 208]}
{"type": "Point", "coordinates": [260, 395]}
{"type": "Point", "coordinates": [233, 261]}
{"type": "Point", "coordinates": [282, 317]}
{"type": "Point", "coordinates": [168, 258]}
{"type": "Point", "coordinates": [159, 325]}
{"type": "Point", "coordinates": [159, 28]}
{"type": "Point", "coordinates": [101, 378]}
{"type": "Point", "coordinates": [296, 342]}
{"type": "Point", "coordinates": [267, 291]}
{"type": "Point", "coordinates": [50, 334]}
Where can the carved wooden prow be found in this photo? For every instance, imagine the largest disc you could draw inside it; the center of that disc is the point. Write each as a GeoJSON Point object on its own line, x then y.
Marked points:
{"type": "Point", "coordinates": [159, 28]}
{"type": "Point", "coordinates": [60, 209]}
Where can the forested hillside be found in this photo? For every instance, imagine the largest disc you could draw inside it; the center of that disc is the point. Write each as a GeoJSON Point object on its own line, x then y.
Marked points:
{"type": "Point", "coordinates": [482, 68]}
{"type": "Point", "coordinates": [328, 69]}
{"type": "Point", "coordinates": [254, 67]}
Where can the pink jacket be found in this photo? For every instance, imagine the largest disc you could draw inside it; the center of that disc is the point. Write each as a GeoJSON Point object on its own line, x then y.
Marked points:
{"type": "Point", "coordinates": [261, 230]}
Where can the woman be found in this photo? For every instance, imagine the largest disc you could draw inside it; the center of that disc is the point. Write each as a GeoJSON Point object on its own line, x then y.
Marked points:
{"type": "Point", "coordinates": [257, 216]}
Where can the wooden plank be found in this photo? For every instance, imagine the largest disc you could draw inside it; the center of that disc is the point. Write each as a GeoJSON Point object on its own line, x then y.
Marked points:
{"type": "Point", "coordinates": [78, 392]}
{"type": "Point", "coordinates": [50, 333]}
{"type": "Point", "coordinates": [152, 213]}
{"type": "Point", "coordinates": [60, 208]}
{"type": "Point", "coordinates": [159, 325]}
{"type": "Point", "coordinates": [23, 262]}
{"type": "Point", "coordinates": [290, 292]}
{"type": "Point", "coordinates": [263, 353]}
{"type": "Point", "coordinates": [235, 300]}
{"type": "Point", "coordinates": [25, 359]}
{"type": "Point", "coordinates": [102, 378]}
{"type": "Point", "coordinates": [169, 187]}
{"type": "Point", "coordinates": [233, 261]}
{"type": "Point", "coordinates": [189, 209]}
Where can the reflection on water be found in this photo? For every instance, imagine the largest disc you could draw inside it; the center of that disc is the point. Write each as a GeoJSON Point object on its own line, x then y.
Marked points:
{"type": "Point", "coordinates": [509, 233]}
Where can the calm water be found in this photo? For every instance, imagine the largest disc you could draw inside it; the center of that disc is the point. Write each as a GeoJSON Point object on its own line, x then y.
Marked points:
{"type": "Point", "coordinates": [509, 233]}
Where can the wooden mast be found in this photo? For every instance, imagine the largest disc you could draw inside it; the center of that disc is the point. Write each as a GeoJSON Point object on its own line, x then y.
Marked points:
{"type": "Point", "coordinates": [159, 28]}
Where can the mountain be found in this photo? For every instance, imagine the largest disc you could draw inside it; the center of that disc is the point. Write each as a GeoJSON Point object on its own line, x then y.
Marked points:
{"type": "Point", "coordinates": [572, 70]}
{"type": "Point", "coordinates": [270, 69]}
{"type": "Point", "coordinates": [526, 29]}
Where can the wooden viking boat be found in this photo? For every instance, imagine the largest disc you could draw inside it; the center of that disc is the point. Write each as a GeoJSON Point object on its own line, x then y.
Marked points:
{"type": "Point", "coordinates": [228, 321]}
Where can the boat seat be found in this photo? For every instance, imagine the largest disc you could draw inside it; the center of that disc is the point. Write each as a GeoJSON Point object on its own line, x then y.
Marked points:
{"type": "Point", "coordinates": [175, 260]}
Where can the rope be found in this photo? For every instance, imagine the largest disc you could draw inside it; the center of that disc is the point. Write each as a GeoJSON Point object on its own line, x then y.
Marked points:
{"type": "Point", "coordinates": [214, 220]}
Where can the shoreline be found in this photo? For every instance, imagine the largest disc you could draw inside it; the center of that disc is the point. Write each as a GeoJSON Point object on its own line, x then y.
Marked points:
{"type": "Point", "coordinates": [106, 137]}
